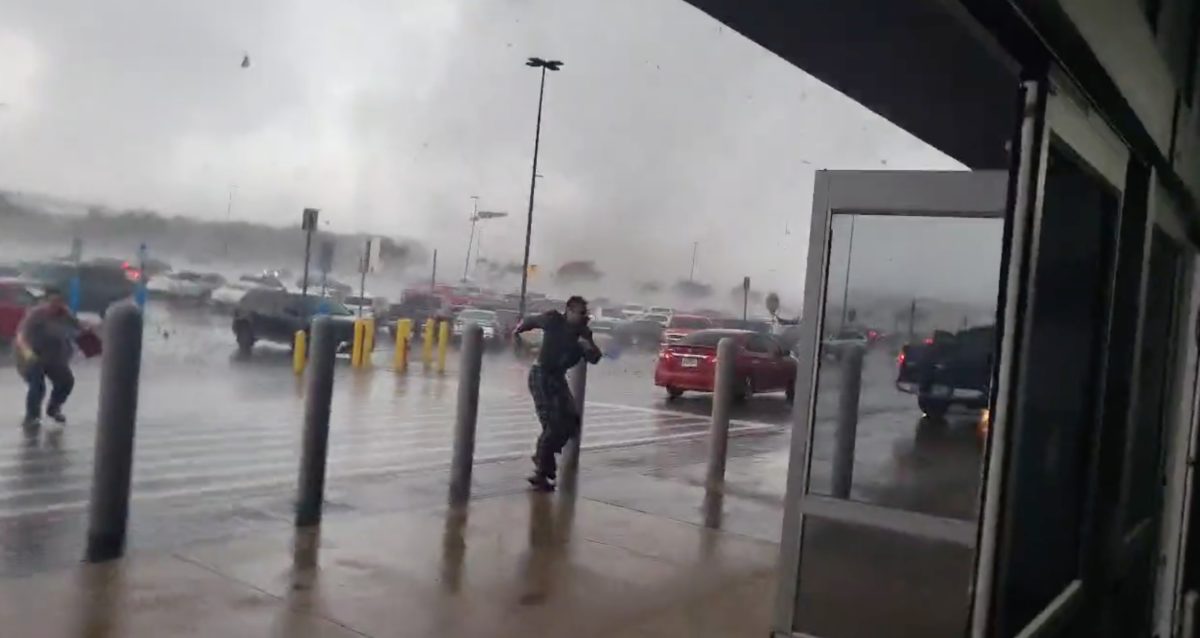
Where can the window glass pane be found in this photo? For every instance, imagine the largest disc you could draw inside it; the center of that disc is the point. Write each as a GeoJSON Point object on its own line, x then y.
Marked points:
{"type": "Point", "coordinates": [1151, 416]}
{"type": "Point", "coordinates": [1055, 424]}
{"type": "Point", "coordinates": [862, 582]}
{"type": "Point", "coordinates": [895, 282]}
{"type": "Point", "coordinates": [911, 448]}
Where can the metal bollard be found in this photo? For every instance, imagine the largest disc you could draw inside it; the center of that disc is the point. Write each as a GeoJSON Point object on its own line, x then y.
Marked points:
{"type": "Point", "coordinates": [847, 424]}
{"type": "Point", "coordinates": [368, 340]}
{"type": "Point", "coordinates": [315, 445]}
{"type": "Point", "coordinates": [443, 343]}
{"type": "Point", "coordinates": [577, 381]}
{"type": "Point", "coordinates": [299, 352]}
{"type": "Point", "coordinates": [115, 427]}
{"type": "Point", "coordinates": [718, 430]}
{"type": "Point", "coordinates": [403, 334]}
{"type": "Point", "coordinates": [468, 412]}
{"type": "Point", "coordinates": [356, 346]}
{"type": "Point", "coordinates": [427, 342]}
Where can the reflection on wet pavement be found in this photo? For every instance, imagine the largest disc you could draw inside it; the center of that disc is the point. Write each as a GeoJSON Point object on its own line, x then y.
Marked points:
{"type": "Point", "coordinates": [525, 564]}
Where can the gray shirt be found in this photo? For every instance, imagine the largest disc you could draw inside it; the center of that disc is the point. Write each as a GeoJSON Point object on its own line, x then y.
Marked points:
{"type": "Point", "coordinates": [50, 333]}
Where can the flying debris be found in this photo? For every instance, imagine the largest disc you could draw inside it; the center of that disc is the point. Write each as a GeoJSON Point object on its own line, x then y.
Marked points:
{"type": "Point", "coordinates": [245, 60]}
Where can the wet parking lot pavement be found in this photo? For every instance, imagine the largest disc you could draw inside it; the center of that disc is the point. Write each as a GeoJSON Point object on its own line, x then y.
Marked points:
{"type": "Point", "coordinates": [217, 443]}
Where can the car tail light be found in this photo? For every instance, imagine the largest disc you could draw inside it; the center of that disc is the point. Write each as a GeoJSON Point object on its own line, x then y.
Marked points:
{"type": "Point", "coordinates": [900, 359]}
{"type": "Point", "coordinates": [929, 341]}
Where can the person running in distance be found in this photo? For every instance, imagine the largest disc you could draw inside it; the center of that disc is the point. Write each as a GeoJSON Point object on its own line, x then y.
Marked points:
{"type": "Point", "coordinates": [566, 339]}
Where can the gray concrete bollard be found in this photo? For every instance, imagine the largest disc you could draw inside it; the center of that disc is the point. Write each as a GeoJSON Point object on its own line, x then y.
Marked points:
{"type": "Point", "coordinates": [115, 427]}
{"type": "Point", "coordinates": [847, 423]}
{"type": "Point", "coordinates": [468, 412]}
{"type": "Point", "coordinates": [315, 444]}
{"type": "Point", "coordinates": [718, 431]}
{"type": "Point", "coordinates": [577, 381]}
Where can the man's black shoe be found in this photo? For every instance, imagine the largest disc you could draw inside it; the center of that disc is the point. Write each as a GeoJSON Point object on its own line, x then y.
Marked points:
{"type": "Point", "coordinates": [540, 483]}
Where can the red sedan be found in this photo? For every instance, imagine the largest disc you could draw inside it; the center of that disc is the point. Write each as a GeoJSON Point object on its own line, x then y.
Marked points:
{"type": "Point", "coordinates": [762, 364]}
{"type": "Point", "coordinates": [15, 300]}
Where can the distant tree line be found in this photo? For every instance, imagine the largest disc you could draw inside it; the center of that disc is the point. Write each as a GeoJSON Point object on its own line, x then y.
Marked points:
{"type": "Point", "coordinates": [118, 233]}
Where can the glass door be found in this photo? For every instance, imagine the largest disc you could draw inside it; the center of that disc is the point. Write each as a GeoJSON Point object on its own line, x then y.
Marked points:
{"type": "Point", "coordinates": [898, 343]}
{"type": "Point", "coordinates": [1063, 379]}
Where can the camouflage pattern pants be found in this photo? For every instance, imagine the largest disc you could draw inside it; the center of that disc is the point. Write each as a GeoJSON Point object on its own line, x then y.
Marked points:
{"type": "Point", "coordinates": [556, 411]}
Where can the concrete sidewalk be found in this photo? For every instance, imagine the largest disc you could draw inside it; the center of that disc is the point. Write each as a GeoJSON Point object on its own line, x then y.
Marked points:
{"type": "Point", "coordinates": [510, 565]}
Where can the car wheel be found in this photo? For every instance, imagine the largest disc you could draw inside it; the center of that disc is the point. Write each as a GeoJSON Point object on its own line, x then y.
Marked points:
{"type": "Point", "coordinates": [674, 393]}
{"type": "Point", "coordinates": [245, 339]}
{"type": "Point", "coordinates": [744, 391]}
{"type": "Point", "coordinates": [933, 408]}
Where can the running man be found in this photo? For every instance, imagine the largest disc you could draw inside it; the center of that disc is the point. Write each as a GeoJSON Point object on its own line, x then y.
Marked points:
{"type": "Point", "coordinates": [566, 339]}
{"type": "Point", "coordinates": [44, 344]}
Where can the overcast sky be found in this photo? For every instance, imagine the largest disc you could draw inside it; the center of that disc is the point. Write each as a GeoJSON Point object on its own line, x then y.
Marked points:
{"type": "Point", "coordinates": [664, 128]}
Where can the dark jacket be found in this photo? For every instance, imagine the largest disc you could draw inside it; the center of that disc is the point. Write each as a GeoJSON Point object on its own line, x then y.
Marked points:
{"type": "Point", "coordinates": [562, 347]}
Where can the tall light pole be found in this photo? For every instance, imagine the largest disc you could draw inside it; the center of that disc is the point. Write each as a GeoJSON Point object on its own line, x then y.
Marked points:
{"type": "Point", "coordinates": [229, 217]}
{"type": "Point", "coordinates": [846, 284]}
{"type": "Point", "coordinates": [471, 237]}
{"type": "Point", "coordinates": [545, 65]}
{"type": "Point", "coordinates": [692, 272]}
{"type": "Point", "coordinates": [482, 216]}
{"type": "Point", "coordinates": [475, 217]}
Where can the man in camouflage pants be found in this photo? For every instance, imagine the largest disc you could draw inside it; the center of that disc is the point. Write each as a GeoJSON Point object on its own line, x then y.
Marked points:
{"type": "Point", "coordinates": [566, 339]}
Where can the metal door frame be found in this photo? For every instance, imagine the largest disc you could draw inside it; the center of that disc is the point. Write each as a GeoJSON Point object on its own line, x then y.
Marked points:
{"type": "Point", "coordinates": [1181, 443]}
{"type": "Point", "coordinates": [947, 194]}
{"type": "Point", "coordinates": [1068, 118]}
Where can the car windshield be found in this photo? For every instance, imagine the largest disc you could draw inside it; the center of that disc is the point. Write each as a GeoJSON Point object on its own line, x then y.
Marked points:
{"type": "Point", "coordinates": [706, 338]}
{"type": "Point", "coordinates": [689, 322]}
{"type": "Point", "coordinates": [655, 318]}
{"type": "Point", "coordinates": [477, 315]}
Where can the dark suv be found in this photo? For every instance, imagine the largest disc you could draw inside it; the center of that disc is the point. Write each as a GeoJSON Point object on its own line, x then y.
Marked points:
{"type": "Point", "coordinates": [415, 306]}
{"type": "Point", "coordinates": [276, 316]}
{"type": "Point", "coordinates": [100, 284]}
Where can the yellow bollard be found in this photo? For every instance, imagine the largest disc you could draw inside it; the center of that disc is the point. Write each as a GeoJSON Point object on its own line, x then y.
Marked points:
{"type": "Point", "coordinates": [356, 351]}
{"type": "Point", "coordinates": [443, 342]}
{"type": "Point", "coordinates": [427, 343]}
{"type": "Point", "coordinates": [403, 334]}
{"type": "Point", "coordinates": [299, 352]}
{"type": "Point", "coordinates": [368, 340]}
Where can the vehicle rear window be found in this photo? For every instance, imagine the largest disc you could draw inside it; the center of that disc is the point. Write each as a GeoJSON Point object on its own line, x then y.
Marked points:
{"type": "Point", "coordinates": [694, 323]}
{"type": "Point", "coordinates": [705, 338]}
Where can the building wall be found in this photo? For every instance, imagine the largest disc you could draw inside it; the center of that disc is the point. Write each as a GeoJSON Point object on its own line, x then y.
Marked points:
{"type": "Point", "coordinates": [1148, 49]}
